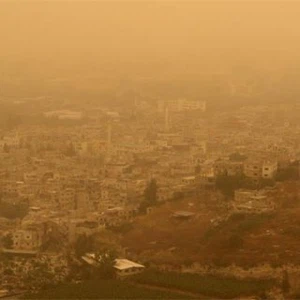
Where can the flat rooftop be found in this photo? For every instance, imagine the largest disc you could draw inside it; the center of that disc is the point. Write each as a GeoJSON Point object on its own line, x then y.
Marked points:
{"type": "Point", "coordinates": [122, 264]}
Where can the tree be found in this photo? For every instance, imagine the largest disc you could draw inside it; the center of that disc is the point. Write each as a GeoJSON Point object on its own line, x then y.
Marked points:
{"type": "Point", "coordinates": [235, 241]}
{"type": "Point", "coordinates": [8, 272]}
{"type": "Point", "coordinates": [151, 192]}
{"type": "Point", "coordinates": [228, 184]}
{"type": "Point", "coordinates": [41, 276]}
{"type": "Point", "coordinates": [288, 173]}
{"type": "Point", "coordinates": [83, 245]}
{"type": "Point", "coordinates": [7, 241]}
{"type": "Point", "coordinates": [265, 182]}
{"type": "Point", "coordinates": [6, 148]}
{"type": "Point", "coordinates": [106, 259]}
{"type": "Point", "coordinates": [150, 196]}
{"type": "Point", "coordinates": [54, 238]}
{"type": "Point", "coordinates": [197, 169]}
{"type": "Point", "coordinates": [285, 282]}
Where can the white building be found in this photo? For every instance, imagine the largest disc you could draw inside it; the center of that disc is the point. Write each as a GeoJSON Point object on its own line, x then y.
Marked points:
{"type": "Point", "coordinates": [26, 239]}
{"type": "Point", "coordinates": [125, 267]}
{"type": "Point", "coordinates": [257, 169]}
{"type": "Point", "coordinates": [182, 104]}
{"type": "Point", "coordinates": [269, 169]}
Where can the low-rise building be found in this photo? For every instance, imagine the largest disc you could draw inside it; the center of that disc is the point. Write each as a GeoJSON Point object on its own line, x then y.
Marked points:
{"type": "Point", "coordinates": [248, 201]}
{"type": "Point", "coordinates": [257, 169]}
{"type": "Point", "coordinates": [27, 239]}
{"type": "Point", "coordinates": [123, 267]}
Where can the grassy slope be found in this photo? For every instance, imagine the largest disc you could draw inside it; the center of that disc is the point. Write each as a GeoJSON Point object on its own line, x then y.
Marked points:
{"type": "Point", "coordinates": [212, 286]}
{"type": "Point", "coordinates": [104, 289]}
{"type": "Point", "coordinates": [157, 285]}
{"type": "Point", "coordinates": [273, 239]}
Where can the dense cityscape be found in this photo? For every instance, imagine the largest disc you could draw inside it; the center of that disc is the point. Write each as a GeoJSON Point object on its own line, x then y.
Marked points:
{"type": "Point", "coordinates": [149, 151]}
{"type": "Point", "coordinates": [133, 179]}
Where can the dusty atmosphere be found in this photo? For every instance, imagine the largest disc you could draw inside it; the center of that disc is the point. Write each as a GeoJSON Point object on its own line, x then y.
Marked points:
{"type": "Point", "coordinates": [149, 149]}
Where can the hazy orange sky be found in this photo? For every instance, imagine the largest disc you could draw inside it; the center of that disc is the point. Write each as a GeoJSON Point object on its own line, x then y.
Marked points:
{"type": "Point", "coordinates": [144, 30]}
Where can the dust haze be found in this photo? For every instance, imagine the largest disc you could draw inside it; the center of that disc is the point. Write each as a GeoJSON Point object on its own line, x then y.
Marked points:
{"type": "Point", "coordinates": [149, 149]}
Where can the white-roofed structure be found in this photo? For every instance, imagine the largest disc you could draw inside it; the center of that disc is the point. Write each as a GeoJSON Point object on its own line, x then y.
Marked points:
{"type": "Point", "coordinates": [125, 267]}
{"type": "Point", "coordinates": [122, 266]}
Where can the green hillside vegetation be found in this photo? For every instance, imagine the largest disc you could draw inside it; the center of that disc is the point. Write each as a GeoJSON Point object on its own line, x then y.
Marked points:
{"type": "Point", "coordinates": [211, 286]}
{"type": "Point", "coordinates": [103, 289]}
{"type": "Point", "coordinates": [216, 238]}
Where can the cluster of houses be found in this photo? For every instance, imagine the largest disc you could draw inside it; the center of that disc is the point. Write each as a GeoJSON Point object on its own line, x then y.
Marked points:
{"type": "Point", "coordinates": [87, 177]}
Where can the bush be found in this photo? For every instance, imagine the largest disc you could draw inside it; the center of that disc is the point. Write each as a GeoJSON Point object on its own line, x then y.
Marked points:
{"type": "Point", "coordinates": [103, 289]}
{"type": "Point", "coordinates": [227, 184]}
{"type": "Point", "coordinates": [123, 228]}
{"type": "Point", "coordinates": [7, 241]}
{"type": "Point", "coordinates": [293, 231]}
{"type": "Point", "coordinates": [211, 286]}
{"type": "Point", "coordinates": [288, 173]}
{"type": "Point", "coordinates": [235, 241]}
{"type": "Point", "coordinates": [252, 222]}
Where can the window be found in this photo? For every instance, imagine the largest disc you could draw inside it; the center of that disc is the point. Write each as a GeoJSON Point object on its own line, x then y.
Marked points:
{"type": "Point", "coordinates": [266, 169]}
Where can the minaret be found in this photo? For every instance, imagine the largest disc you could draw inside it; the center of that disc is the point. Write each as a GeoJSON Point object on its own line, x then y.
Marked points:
{"type": "Point", "coordinates": [167, 121]}
{"type": "Point", "coordinates": [109, 135]}
{"type": "Point", "coordinates": [108, 143]}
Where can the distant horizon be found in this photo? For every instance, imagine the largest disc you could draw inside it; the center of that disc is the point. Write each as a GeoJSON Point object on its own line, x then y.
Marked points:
{"type": "Point", "coordinates": [264, 32]}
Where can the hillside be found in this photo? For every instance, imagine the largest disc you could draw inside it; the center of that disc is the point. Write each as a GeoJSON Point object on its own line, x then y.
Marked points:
{"type": "Point", "coordinates": [105, 289]}
{"type": "Point", "coordinates": [245, 240]}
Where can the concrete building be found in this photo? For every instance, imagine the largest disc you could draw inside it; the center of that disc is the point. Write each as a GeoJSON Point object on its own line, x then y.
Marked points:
{"type": "Point", "coordinates": [229, 167]}
{"type": "Point", "coordinates": [27, 239]}
{"type": "Point", "coordinates": [248, 201]}
{"type": "Point", "coordinates": [125, 267]}
{"type": "Point", "coordinates": [257, 169]}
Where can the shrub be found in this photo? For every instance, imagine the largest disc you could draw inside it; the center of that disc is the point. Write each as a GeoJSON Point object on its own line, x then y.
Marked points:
{"type": "Point", "coordinates": [235, 241]}
{"type": "Point", "coordinates": [103, 289]}
{"type": "Point", "coordinates": [210, 285]}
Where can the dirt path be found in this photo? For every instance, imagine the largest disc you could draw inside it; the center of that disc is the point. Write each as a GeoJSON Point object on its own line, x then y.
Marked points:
{"type": "Point", "coordinates": [172, 290]}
